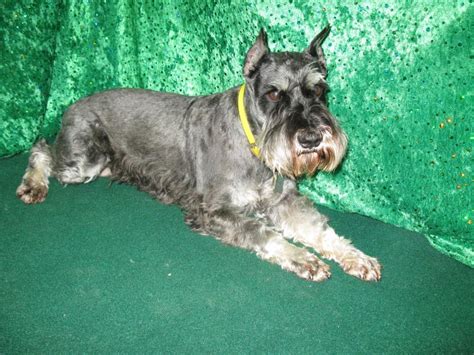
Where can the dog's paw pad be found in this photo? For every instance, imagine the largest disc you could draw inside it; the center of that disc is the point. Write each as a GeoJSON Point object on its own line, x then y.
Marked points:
{"type": "Point", "coordinates": [32, 193]}
{"type": "Point", "coordinates": [362, 266]}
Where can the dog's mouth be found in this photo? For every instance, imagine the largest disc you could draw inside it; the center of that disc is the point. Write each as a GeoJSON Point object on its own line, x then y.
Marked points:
{"type": "Point", "coordinates": [303, 151]}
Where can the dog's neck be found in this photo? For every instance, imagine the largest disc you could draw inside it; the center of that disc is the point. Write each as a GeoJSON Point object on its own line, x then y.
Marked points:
{"type": "Point", "coordinates": [255, 123]}
{"type": "Point", "coordinates": [244, 120]}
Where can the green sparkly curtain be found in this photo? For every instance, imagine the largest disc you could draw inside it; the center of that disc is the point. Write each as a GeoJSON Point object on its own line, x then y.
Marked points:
{"type": "Point", "coordinates": [401, 74]}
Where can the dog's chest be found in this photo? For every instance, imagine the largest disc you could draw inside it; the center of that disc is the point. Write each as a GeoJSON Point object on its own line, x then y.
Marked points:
{"type": "Point", "coordinates": [250, 194]}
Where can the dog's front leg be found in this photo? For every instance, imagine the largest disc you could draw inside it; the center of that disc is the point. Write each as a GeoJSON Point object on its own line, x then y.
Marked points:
{"type": "Point", "coordinates": [300, 221]}
{"type": "Point", "coordinates": [233, 227]}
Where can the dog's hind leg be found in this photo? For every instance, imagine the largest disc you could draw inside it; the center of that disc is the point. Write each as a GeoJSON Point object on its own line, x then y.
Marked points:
{"type": "Point", "coordinates": [234, 228]}
{"type": "Point", "coordinates": [82, 149]}
{"type": "Point", "coordinates": [81, 154]}
{"type": "Point", "coordinates": [34, 185]}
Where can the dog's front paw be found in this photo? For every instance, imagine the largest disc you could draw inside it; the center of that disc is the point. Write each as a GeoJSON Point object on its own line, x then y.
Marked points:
{"type": "Point", "coordinates": [362, 266]}
{"type": "Point", "coordinates": [295, 259]}
{"type": "Point", "coordinates": [309, 268]}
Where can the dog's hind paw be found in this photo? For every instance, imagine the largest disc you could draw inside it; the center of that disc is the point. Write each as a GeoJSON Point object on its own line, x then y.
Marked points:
{"type": "Point", "coordinates": [30, 192]}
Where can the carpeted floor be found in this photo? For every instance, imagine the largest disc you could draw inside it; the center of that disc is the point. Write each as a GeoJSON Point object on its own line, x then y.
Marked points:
{"type": "Point", "coordinates": [102, 269]}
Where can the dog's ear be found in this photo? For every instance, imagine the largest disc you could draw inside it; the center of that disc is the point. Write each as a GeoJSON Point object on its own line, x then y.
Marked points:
{"type": "Point", "coordinates": [256, 54]}
{"type": "Point", "coordinates": [316, 51]}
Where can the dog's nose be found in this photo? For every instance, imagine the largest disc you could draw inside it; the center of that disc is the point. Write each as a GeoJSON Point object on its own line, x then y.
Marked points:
{"type": "Point", "coordinates": [309, 139]}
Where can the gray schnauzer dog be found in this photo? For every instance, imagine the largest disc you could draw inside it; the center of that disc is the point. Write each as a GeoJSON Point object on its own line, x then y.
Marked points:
{"type": "Point", "coordinates": [230, 160]}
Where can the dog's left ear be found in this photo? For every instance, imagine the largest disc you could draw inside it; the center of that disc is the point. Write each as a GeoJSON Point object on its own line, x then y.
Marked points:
{"type": "Point", "coordinates": [316, 51]}
{"type": "Point", "coordinates": [256, 54]}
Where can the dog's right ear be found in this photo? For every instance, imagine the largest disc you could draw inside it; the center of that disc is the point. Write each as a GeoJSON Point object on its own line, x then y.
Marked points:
{"type": "Point", "coordinates": [256, 54]}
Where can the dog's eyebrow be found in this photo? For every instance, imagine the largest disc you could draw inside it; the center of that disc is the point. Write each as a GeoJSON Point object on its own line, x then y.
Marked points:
{"type": "Point", "coordinates": [309, 76]}
{"type": "Point", "coordinates": [313, 78]}
{"type": "Point", "coordinates": [281, 83]}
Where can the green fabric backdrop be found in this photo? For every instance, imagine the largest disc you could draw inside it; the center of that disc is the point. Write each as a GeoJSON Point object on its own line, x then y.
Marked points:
{"type": "Point", "coordinates": [401, 74]}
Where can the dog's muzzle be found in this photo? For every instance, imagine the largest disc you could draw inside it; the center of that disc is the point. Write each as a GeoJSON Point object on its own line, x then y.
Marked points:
{"type": "Point", "coordinates": [317, 149]}
{"type": "Point", "coordinates": [303, 151]}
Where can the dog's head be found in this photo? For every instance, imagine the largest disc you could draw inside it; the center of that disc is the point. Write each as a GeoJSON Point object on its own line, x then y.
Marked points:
{"type": "Point", "coordinates": [286, 97]}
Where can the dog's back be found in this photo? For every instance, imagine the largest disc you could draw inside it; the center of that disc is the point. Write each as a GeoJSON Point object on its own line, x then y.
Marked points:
{"type": "Point", "coordinates": [135, 120]}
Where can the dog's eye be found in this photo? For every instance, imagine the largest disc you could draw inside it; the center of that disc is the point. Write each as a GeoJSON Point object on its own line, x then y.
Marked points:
{"type": "Point", "coordinates": [274, 95]}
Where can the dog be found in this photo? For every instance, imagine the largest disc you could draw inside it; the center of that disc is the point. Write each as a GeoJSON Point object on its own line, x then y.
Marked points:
{"type": "Point", "coordinates": [230, 160]}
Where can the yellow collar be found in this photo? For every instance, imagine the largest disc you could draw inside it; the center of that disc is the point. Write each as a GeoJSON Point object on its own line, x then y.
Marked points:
{"type": "Point", "coordinates": [245, 123]}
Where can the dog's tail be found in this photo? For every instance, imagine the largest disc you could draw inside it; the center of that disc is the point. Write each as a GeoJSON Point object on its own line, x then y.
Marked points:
{"type": "Point", "coordinates": [34, 185]}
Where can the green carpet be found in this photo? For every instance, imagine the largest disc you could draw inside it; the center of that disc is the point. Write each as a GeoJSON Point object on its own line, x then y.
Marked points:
{"type": "Point", "coordinates": [102, 269]}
